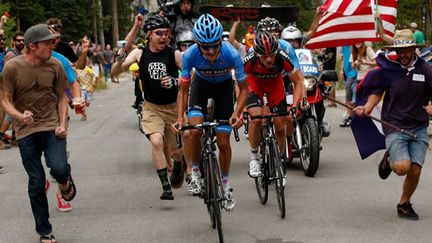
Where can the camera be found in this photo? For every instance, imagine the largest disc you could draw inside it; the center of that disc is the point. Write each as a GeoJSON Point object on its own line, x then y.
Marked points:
{"type": "Point", "coordinates": [167, 6]}
{"type": "Point", "coordinates": [121, 43]}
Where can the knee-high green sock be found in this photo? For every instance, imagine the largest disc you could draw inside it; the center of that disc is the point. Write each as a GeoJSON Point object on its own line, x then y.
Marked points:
{"type": "Point", "coordinates": [163, 176]}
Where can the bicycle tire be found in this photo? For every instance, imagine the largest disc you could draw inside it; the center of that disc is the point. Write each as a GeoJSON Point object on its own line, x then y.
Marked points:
{"type": "Point", "coordinates": [279, 176]}
{"type": "Point", "coordinates": [311, 154]}
{"type": "Point", "coordinates": [261, 183]}
{"type": "Point", "coordinates": [207, 193]}
{"type": "Point", "coordinates": [214, 200]}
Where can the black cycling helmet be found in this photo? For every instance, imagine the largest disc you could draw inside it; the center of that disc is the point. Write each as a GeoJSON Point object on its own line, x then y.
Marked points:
{"type": "Point", "coordinates": [156, 22]}
{"type": "Point", "coordinates": [265, 43]}
{"type": "Point", "coordinates": [268, 24]}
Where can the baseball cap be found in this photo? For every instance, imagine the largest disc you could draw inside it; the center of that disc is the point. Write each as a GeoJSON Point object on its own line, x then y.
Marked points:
{"type": "Point", "coordinates": [413, 25]}
{"type": "Point", "coordinates": [39, 32]}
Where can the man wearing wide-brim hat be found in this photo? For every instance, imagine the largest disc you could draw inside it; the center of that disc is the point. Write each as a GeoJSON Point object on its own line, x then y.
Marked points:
{"type": "Point", "coordinates": [407, 83]}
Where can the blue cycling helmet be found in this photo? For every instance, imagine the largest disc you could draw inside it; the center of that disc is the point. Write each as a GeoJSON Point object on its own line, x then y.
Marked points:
{"type": "Point", "coordinates": [207, 29]}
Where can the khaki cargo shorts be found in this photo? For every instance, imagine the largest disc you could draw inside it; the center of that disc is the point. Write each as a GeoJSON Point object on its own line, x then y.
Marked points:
{"type": "Point", "coordinates": [158, 119]}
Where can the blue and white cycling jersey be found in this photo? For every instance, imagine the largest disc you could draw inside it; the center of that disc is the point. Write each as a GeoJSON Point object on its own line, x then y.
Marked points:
{"type": "Point", "coordinates": [220, 71]}
{"type": "Point", "coordinates": [70, 74]}
{"type": "Point", "coordinates": [289, 49]}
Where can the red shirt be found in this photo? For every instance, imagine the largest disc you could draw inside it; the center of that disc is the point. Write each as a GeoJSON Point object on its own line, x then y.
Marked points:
{"type": "Point", "coordinates": [268, 80]}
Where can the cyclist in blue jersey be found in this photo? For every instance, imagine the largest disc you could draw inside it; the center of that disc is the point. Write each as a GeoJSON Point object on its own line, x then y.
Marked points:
{"type": "Point", "coordinates": [213, 60]}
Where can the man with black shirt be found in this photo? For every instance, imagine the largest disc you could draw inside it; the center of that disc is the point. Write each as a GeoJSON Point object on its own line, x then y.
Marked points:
{"type": "Point", "coordinates": [64, 48]}
{"type": "Point", "coordinates": [158, 67]}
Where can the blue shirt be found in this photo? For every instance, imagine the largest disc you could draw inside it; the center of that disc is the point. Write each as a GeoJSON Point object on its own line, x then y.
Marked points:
{"type": "Point", "coordinates": [70, 74]}
{"type": "Point", "coordinates": [2, 56]}
{"type": "Point", "coordinates": [348, 70]}
{"type": "Point", "coordinates": [220, 71]}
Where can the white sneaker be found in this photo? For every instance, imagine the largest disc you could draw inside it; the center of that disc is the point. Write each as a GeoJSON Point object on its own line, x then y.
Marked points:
{"type": "Point", "coordinates": [195, 186]}
{"type": "Point", "coordinates": [255, 168]}
{"type": "Point", "coordinates": [230, 202]}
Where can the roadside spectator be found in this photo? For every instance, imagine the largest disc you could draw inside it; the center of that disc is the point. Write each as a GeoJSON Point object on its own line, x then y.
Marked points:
{"type": "Point", "coordinates": [107, 56]}
{"type": "Point", "coordinates": [407, 82]}
{"type": "Point", "coordinates": [17, 50]}
{"type": "Point", "coordinates": [349, 75]}
{"type": "Point", "coordinates": [362, 59]}
{"type": "Point", "coordinates": [64, 48]}
{"type": "Point", "coordinates": [40, 118]}
{"type": "Point", "coordinates": [184, 18]}
{"type": "Point", "coordinates": [418, 35]}
{"type": "Point", "coordinates": [88, 80]}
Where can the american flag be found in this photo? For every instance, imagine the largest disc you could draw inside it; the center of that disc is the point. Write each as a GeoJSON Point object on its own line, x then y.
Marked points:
{"type": "Point", "coordinates": [346, 22]}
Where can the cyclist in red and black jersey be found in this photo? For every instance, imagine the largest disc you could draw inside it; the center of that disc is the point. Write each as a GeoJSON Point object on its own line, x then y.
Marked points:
{"type": "Point", "coordinates": [264, 67]}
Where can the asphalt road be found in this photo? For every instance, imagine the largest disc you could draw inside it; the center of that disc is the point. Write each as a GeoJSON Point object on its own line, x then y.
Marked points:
{"type": "Point", "coordinates": [118, 192]}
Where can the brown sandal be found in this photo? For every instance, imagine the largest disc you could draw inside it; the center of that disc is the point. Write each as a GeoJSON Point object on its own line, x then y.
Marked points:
{"type": "Point", "coordinates": [49, 237]}
{"type": "Point", "coordinates": [70, 192]}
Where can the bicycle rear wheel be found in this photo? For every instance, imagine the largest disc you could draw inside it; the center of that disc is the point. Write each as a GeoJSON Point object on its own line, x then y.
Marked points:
{"type": "Point", "coordinates": [261, 183]}
{"type": "Point", "coordinates": [214, 198]}
{"type": "Point", "coordinates": [279, 176]}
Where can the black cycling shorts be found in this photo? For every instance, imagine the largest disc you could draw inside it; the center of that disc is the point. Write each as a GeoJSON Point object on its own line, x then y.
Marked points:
{"type": "Point", "coordinates": [222, 94]}
{"type": "Point", "coordinates": [254, 101]}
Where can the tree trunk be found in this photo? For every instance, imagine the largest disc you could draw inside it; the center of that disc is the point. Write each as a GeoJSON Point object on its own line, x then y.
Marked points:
{"type": "Point", "coordinates": [114, 23]}
{"type": "Point", "coordinates": [100, 24]}
{"type": "Point", "coordinates": [94, 23]}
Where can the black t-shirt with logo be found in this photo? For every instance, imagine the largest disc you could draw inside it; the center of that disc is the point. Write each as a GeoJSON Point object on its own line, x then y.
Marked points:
{"type": "Point", "coordinates": [64, 49]}
{"type": "Point", "coordinates": [151, 67]}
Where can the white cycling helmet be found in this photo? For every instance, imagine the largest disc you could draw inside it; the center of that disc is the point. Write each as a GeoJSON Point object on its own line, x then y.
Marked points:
{"type": "Point", "coordinates": [291, 33]}
{"type": "Point", "coordinates": [225, 35]}
{"type": "Point", "coordinates": [185, 36]}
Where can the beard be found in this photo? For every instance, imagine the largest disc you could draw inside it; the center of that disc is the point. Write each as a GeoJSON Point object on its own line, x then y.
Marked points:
{"type": "Point", "coordinates": [19, 47]}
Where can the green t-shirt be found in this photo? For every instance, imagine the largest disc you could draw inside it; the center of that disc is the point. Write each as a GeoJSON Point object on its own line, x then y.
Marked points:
{"type": "Point", "coordinates": [419, 37]}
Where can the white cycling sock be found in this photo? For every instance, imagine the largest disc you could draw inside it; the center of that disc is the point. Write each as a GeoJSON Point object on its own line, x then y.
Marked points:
{"type": "Point", "coordinates": [254, 154]}
{"type": "Point", "coordinates": [196, 173]}
{"type": "Point", "coordinates": [225, 182]}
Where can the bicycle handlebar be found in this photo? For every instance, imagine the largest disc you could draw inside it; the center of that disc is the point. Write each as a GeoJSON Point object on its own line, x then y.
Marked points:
{"type": "Point", "coordinates": [270, 116]}
{"type": "Point", "coordinates": [203, 126]}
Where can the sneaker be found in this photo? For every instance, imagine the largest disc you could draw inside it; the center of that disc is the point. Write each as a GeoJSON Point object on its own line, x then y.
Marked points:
{"type": "Point", "coordinates": [177, 175]}
{"type": "Point", "coordinates": [230, 200]}
{"type": "Point", "coordinates": [167, 195]}
{"type": "Point", "coordinates": [384, 169]}
{"type": "Point", "coordinates": [195, 186]}
{"type": "Point", "coordinates": [2, 169]}
{"type": "Point", "coordinates": [4, 144]}
{"type": "Point", "coordinates": [63, 205]}
{"type": "Point", "coordinates": [346, 122]}
{"type": "Point", "coordinates": [255, 168]}
{"type": "Point", "coordinates": [406, 211]}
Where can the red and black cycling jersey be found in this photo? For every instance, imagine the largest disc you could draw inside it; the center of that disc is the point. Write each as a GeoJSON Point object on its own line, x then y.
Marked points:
{"type": "Point", "coordinates": [268, 80]}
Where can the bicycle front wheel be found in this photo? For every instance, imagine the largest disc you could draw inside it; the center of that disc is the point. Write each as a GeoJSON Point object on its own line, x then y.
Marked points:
{"type": "Point", "coordinates": [214, 198]}
{"type": "Point", "coordinates": [279, 176]}
{"type": "Point", "coordinates": [261, 183]}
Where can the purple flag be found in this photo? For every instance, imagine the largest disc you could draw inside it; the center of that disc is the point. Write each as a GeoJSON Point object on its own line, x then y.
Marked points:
{"type": "Point", "coordinates": [367, 135]}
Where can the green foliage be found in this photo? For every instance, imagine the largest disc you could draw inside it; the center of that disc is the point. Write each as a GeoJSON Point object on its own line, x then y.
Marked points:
{"type": "Point", "coordinates": [9, 26]}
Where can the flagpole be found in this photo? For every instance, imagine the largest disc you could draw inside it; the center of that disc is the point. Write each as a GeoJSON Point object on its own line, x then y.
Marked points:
{"type": "Point", "coordinates": [409, 133]}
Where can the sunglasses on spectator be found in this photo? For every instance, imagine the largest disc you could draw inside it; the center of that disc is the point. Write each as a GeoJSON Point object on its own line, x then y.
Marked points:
{"type": "Point", "coordinates": [161, 33]}
{"type": "Point", "coordinates": [56, 27]}
{"type": "Point", "coordinates": [2, 38]}
{"type": "Point", "coordinates": [19, 40]}
{"type": "Point", "coordinates": [186, 44]}
{"type": "Point", "coordinates": [213, 46]}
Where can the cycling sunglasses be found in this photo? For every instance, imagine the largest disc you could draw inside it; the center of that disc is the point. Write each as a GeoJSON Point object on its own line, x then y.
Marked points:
{"type": "Point", "coordinates": [161, 33]}
{"type": "Point", "coordinates": [213, 46]}
{"type": "Point", "coordinates": [56, 27]}
{"type": "Point", "coordinates": [186, 44]}
{"type": "Point", "coordinates": [267, 55]}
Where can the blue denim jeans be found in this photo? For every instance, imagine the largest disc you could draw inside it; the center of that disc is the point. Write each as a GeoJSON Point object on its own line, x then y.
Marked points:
{"type": "Point", "coordinates": [31, 148]}
{"type": "Point", "coordinates": [107, 69]}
